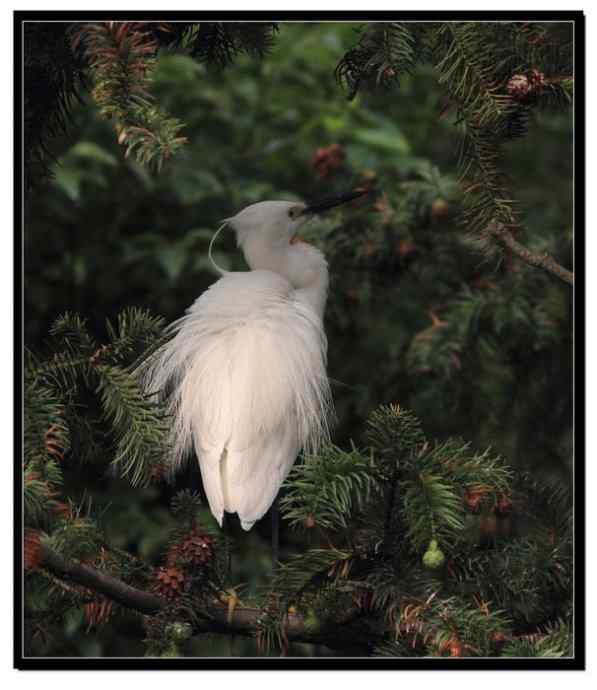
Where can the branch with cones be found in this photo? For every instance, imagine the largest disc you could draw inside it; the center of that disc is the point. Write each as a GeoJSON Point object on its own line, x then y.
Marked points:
{"type": "Point", "coordinates": [216, 617]}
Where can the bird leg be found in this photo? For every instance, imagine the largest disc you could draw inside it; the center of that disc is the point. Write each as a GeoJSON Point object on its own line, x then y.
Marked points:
{"type": "Point", "coordinates": [275, 514]}
{"type": "Point", "coordinates": [226, 527]}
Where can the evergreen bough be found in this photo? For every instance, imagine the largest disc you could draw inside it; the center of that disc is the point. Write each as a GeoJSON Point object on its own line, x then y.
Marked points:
{"type": "Point", "coordinates": [418, 547]}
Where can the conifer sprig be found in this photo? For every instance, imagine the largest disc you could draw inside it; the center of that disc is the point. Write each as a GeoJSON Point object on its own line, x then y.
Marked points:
{"type": "Point", "coordinates": [218, 43]}
{"type": "Point", "coordinates": [329, 489]}
{"type": "Point", "coordinates": [122, 57]}
{"type": "Point", "coordinates": [139, 425]}
{"type": "Point", "coordinates": [384, 53]}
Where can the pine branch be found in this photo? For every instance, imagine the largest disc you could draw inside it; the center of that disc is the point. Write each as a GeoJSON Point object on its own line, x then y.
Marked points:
{"type": "Point", "coordinates": [214, 618]}
{"type": "Point", "coordinates": [385, 52]}
{"type": "Point", "coordinates": [218, 43]}
{"type": "Point", "coordinates": [329, 489]}
{"type": "Point", "coordinates": [504, 237]}
{"type": "Point", "coordinates": [122, 58]}
{"type": "Point", "coordinates": [54, 80]}
{"type": "Point", "coordinates": [450, 626]}
{"type": "Point", "coordinates": [140, 425]}
{"type": "Point", "coordinates": [433, 509]}
{"type": "Point", "coordinates": [85, 575]}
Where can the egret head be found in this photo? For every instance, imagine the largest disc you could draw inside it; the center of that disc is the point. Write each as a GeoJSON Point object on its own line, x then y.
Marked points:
{"type": "Point", "coordinates": [267, 233]}
{"type": "Point", "coordinates": [273, 223]}
{"type": "Point", "coordinates": [276, 223]}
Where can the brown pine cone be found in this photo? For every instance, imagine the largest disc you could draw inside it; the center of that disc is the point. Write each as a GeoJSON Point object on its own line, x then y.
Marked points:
{"type": "Point", "coordinates": [169, 582]}
{"type": "Point", "coordinates": [327, 159]}
{"type": "Point", "coordinates": [519, 87]}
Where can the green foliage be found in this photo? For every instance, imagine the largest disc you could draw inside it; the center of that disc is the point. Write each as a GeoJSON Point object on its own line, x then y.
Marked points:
{"type": "Point", "coordinates": [311, 571]}
{"type": "Point", "coordinates": [452, 626]}
{"type": "Point", "coordinates": [483, 322]}
{"type": "Point", "coordinates": [136, 331]}
{"type": "Point", "coordinates": [384, 53]}
{"type": "Point", "coordinates": [54, 76]}
{"type": "Point", "coordinates": [121, 57]}
{"type": "Point", "coordinates": [396, 434]}
{"type": "Point", "coordinates": [78, 538]}
{"type": "Point", "coordinates": [116, 59]}
{"type": "Point", "coordinates": [55, 420]}
{"type": "Point", "coordinates": [218, 43]}
{"type": "Point", "coordinates": [557, 642]}
{"type": "Point", "coordinates": [333, 486]}
{"type": "Point", "coordinates": [466, 588]}
{"type": "Point", "coordinates": [432, 508]}
{"type": "Point", "coordinates": [43, 410]}
{"type": "Point", "coordinates": [473, 63]}
{"type": "Point", "coordinates": [139, 426]}
{"type": "Point", "coordinates": [39, 493]}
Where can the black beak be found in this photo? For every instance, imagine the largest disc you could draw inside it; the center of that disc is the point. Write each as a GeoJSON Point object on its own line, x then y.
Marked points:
{"type": "Point", "coordinates": [332, 202]}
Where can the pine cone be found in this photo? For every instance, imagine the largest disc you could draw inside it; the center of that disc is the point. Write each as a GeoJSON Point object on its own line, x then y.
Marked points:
{"type": "Point", "coordinates": [537, 80]}
{"type": "Point", "coordinates": [473, 497]}
{"type": "Point", "coordinates": [169, 582]}
{"type": "Point", "coordinates": [197, 549]}
{"type": "Point", "coordinates": [440, 209]}
{"type": "Point", "coordinates": [434, 557]}
{"type": "Point", "coordinates": [523, 87]}
{"type": "Point", "coordinates": [158, 471]}
{"type": "Point", "coordinates": [329, 158]}
{"type": "Point", "coordinates": [504, 506]}
{"type": "Point", "coordinates": [519, 87]}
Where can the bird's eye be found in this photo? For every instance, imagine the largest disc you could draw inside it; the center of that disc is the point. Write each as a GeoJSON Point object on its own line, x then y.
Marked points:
{"type": "Point", "coordinates": [293, 213]}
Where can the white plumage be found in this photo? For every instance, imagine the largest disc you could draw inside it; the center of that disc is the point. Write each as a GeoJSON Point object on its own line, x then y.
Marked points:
{"type": "Point", "coordinates": [245, 370]}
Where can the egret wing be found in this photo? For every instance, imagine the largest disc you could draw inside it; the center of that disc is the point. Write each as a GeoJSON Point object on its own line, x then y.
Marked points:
{"type": "Point", "coordinates": [251, 477]}
{"type": "Point", "coordinates": [246, 369]}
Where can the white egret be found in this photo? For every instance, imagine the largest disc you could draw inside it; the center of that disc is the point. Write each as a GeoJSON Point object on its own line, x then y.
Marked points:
{"type": "Point", "coordinates": [245, 370]}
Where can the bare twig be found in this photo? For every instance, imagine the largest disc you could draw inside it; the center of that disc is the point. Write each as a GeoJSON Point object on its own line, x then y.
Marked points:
{"type": "Point", "coordinates": [544, 261]}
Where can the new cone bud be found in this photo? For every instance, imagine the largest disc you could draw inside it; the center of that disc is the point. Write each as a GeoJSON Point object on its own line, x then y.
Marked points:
{"type": "Point", "coordinates": [434, 557]}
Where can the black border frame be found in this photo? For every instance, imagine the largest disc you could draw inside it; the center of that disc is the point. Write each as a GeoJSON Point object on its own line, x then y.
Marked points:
{"type": "Point", "coordinates": [578, 662]}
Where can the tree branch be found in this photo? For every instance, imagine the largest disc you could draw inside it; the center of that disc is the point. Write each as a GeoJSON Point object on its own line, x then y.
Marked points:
{"type": "Point", "coordinates": [216, 617]}
{"type": "Point", "coordinates": [105, 584]}
{"type": "Point", "coordinates": [545, 261]}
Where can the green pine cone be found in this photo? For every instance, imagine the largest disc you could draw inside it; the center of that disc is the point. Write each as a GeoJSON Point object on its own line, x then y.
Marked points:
{"type": "Point", "coordinates": [178, 632]}
{"type": "Point", "coordinates": [171, 651]}
{"type": "Point", "coordinates": [312, 623]}
{"type": "Point", "coordinates": [434, 557]}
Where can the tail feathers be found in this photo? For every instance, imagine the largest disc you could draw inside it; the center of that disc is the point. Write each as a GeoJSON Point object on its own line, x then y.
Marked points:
{"type": "Point", "coordinates": [210, 462]}
{"type": "Point", "coordinates": [252, 477]}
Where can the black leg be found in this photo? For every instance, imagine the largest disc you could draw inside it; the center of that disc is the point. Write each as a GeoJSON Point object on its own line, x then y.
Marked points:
{"type": "Point", "coordinates": [226, 528]}
{"type": "Point", "coordinates": [275, 511]}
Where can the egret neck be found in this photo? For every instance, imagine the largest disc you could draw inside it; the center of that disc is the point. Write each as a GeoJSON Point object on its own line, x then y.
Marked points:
{"type": "Point", "coordinates": [300, 263]}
